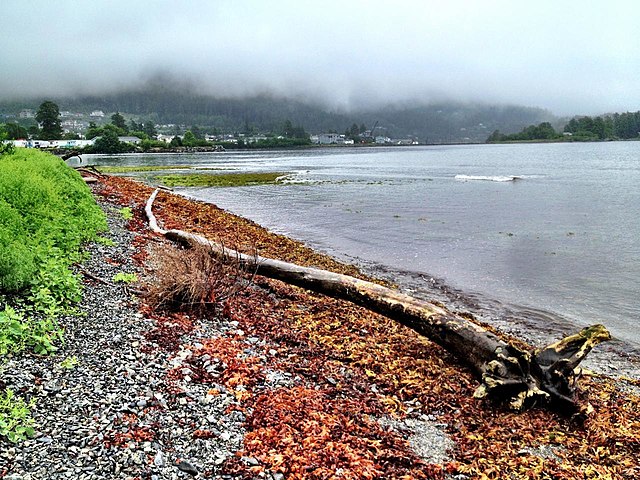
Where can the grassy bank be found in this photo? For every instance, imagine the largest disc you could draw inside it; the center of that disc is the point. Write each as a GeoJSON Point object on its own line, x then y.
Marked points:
{"type": "Point", "coordinates": [46, 213]}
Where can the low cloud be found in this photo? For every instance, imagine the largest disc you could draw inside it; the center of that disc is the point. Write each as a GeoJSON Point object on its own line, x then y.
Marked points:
{"type": "Point", "coordinates": [570, 57]}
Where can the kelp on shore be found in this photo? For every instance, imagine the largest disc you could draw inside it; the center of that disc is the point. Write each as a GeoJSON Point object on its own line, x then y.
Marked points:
{"type": "Point", "coordinates": [344, 350]}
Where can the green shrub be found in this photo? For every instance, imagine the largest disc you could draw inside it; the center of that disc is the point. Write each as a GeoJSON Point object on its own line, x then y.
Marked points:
{"type": "Point", "coordinates": [46, 211]}
{"type": "Point", "coordinates": [18, 333]}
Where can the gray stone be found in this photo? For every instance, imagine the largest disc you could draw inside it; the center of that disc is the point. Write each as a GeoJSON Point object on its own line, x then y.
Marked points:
{"type": "Point", "coordinates": [158, 460]}
{"type": "Point", "coordinates": [186, 467]}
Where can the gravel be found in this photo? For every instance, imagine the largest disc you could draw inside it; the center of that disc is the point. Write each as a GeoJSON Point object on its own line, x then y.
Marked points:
{"type": "Point", "coordinates": [85, 413]}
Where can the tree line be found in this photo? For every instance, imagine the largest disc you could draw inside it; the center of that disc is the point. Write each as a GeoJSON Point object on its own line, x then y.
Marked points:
{"type": "Point", "coordinates": [619, 126]}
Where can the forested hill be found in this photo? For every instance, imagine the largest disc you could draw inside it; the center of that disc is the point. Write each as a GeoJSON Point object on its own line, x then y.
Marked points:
{"type": "Point", "coordinates": [436, 123]}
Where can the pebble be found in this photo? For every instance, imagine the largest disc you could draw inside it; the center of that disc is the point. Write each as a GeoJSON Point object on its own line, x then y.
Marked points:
{"type": "Point", "coordinates": [188, 468]}
{"type": "Point", "coordinates": [158, 460]}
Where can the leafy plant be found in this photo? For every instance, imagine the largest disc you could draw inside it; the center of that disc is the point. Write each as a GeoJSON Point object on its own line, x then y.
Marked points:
{"type": "Point", "coordinates": [54, 287]}
{"type": "Point", "coordinates": [16, 423]}
{"type": "Point", "coordinates": [46, 213]}
{"type": "Point", "coordinates": [45, 209]}
{"type": "Point", "coordinates": [127, 278]}
{"type": "Point", "coordinates": [6, 148]}
{"type": "Point", "coordinates": [126, 213]}
{"type": "Point", "coordinates": [107, 242]}
{"type": "Point", "coordinates": [18, 333]}
{"type": "Point", "coordinates": [13, 331]}
{"type": "Point", "coordinates": [69, 363]}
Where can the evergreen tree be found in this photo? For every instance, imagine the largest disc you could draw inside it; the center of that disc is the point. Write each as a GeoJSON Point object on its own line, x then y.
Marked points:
{"type": "Point", "coordinates": [197, 132]}
{"type": "Point", "coordinates": [48, 116]}
{"type": "Point", "coordinates": [119, 122]}
{"type": "Point", "coordinates": [189, 139]}
{"type": "Point", "coordinates": [149, 128]}
{"type": "Point", "coordinates": [14, 131]}
{"type": "Point", "coordinates": [287, 129]}
{"type": "Point", "coordinates": [496, 136]}
{"type": "Point", "coordinates": [135, 127]}
{"type": "Point", "coordinates": [93, 131]}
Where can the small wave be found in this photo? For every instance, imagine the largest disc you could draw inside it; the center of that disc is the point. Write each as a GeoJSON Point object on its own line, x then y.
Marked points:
{"type": "Point", "coordinates": [496, 178]}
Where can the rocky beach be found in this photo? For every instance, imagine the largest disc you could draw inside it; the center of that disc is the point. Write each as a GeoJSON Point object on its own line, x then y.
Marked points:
{"type": "Point", "coordinates": [275, 382]}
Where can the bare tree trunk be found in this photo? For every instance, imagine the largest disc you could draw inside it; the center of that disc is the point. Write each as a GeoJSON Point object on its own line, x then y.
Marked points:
{"type": "Point", "coordinates": [507, 373]}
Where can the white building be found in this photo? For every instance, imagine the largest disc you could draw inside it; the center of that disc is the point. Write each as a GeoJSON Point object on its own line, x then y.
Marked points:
{"type": "Point", "coordinates": [70, 143]}
{"type": "Point", "coordinates": [97, 113]}
{"type": "Point", "coordinates": [255, 139]}
{"type": "Point", "coordinates": [51, 143]}
{"type": "Point", "coordinates": [127, 139]}
{"type": "Point", "coordinates": [38, 144]}
{"type": "Point", "coordinates": [165, 138]}
{"type": "Point", "coordinates": [328, 138]}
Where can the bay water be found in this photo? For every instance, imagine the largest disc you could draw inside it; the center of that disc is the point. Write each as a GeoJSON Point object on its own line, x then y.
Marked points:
{"type": "Point", "coordinates": [527, 236]}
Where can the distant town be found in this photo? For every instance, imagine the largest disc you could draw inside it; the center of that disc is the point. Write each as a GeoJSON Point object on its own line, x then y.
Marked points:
{"type": "Point", "coordinates": [97, 131]}
{"type": "Point", "coordinates": [78, 130]}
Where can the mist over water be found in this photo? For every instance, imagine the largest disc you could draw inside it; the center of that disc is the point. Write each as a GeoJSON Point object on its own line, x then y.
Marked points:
{"type": "Point", "coordinates": [552, 231]}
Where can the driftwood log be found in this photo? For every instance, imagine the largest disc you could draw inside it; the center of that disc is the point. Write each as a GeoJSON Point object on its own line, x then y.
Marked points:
{"type": "Point", "coordinates": [508, 374]}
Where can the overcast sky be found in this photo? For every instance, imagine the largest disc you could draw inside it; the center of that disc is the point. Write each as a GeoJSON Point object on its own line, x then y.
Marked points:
{"type": "Point", "coordinates": [571, 57]}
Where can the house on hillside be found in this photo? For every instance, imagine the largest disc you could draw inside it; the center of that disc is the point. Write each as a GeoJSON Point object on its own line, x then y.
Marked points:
{"type": "Point", "coordinates": [165, 138]}
{"type": "Point", "coordinates": [129, 139]}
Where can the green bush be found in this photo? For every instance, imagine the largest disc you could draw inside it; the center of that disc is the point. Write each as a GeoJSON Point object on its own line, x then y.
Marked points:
{"type": "Point", "coordinates": [46, 212]}
{"type": "Point", "coordinates": [18, 333]}
{"type": "Point", "coordinates": [16, 422]}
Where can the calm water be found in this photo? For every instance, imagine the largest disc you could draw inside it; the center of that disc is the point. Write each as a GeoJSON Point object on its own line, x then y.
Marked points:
{"type": "Point", "coordinates": [559, 243]}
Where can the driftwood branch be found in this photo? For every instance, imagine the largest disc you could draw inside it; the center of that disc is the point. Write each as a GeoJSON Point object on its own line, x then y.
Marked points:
{"type": "Point", "coordinates": [508, 374]}
{"type": "Point", "coordinates": [73, 153]}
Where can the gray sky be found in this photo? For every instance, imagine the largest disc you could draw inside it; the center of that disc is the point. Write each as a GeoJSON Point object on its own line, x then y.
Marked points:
{"type": "Point", "coordinates": [572, 57]}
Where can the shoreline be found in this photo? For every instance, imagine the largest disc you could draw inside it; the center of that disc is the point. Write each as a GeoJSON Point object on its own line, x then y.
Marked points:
{"type": "Point", "coordinates": [536, 327]}
{"type": "Point", "coordinates": [208, 221]}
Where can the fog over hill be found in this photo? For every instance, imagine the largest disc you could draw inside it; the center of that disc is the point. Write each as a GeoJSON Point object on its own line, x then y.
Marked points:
{"type": "Point", "coordinates": [171, 103]}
